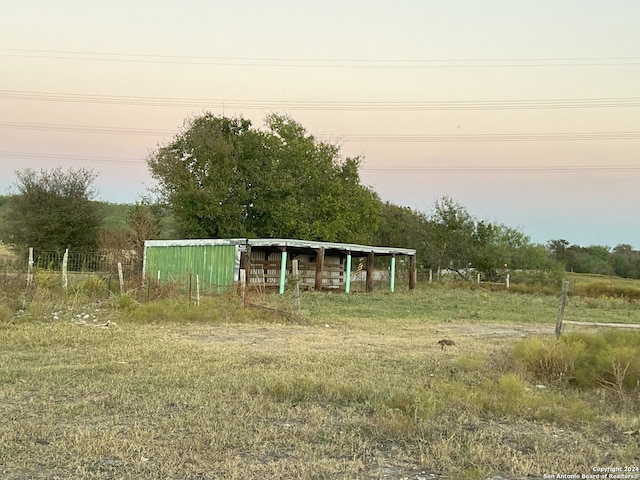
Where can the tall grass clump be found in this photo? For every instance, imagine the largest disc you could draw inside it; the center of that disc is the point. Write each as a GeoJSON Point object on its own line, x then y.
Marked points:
{"type": "Point", "coordinates": [610, 359]}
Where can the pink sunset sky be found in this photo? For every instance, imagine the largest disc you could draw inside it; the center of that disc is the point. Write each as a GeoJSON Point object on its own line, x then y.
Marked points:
{"type": "Point", "coordinates": [527, 113]}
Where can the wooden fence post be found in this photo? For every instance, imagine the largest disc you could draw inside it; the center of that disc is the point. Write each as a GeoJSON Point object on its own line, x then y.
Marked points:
{"type": "Point", "coordinates": [120, 277]}
{"type": "Point", "coordinates": [30, 268]}
{"type": "Point", "coordinates": [243, 287]}
{"type": "Point", "coordinates": [65, 261]}
{"type": "Point", "coordinates": [561, 306]}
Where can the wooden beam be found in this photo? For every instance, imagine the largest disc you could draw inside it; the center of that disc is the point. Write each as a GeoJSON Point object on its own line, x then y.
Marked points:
{"type": "Point", "coordinates": [319, 268]}
{"type": "Point", "coordinates": [413, 272]}
{"type": "Point", "coordinates": [370, 272]}
{"type": "Point", "coordinates": [245, 259]}
{"type": "Point", "coordinates": [600, 324]}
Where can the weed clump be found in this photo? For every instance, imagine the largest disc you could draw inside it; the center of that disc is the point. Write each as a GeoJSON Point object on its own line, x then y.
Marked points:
{"type": "Point", "coordinates": [610, 359]}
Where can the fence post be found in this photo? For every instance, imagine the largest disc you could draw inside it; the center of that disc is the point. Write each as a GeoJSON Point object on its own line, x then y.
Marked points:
{"type": "Point", "coordinates": [197, 290]}
{"type": "Point", "coordinates": [507, 281]}
{"type": "Point", "coordinates": [120, 277]}
{"type": "Point", "coordinates": [243, 287]}
{"type": "Point", "coordinates": [65, 261]}
{"type": "Point", "coordinates": [561, 306]}
{"type": "Point", "coordinates": [30, 268]}
{"type": "Point", "coordinates": [190, 288]}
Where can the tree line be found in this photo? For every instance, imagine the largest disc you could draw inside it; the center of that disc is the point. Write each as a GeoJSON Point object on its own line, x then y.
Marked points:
{"type": "Point", "coordinates": [222, 177]}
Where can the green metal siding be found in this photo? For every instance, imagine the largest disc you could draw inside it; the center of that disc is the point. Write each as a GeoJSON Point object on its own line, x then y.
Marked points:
{"type": "Point", "coordinates": [215, 264]}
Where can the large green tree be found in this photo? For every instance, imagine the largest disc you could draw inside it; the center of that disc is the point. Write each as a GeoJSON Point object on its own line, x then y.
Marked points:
{"type": "Point", "coordinates": [53, 210]}
{"type": "Point", "coordinates": [451, 235]}
{"type": "Point", "coordinates": [224, 178]}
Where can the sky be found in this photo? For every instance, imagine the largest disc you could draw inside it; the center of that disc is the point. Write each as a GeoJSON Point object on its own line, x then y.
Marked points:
{"type": "Point", "coordinates": [526, 113]}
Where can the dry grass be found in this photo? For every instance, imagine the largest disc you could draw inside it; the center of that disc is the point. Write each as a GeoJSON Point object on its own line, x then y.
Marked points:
{"type": "Point", "coordinates": [358, 388]}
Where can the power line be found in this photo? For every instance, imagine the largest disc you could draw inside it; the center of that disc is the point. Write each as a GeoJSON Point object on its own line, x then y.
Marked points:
{"type": "Point", "coordinates": [501, 169]}
{"type": "Point", "coordinates": [86, 129]}
{"type": "Point", "coordinates": [86, 159]}
{"type": "Point", "coordinates": [493, 169]}
{"type": "Point", "coordinates": [453, 105]}
{"type": "Point", "coordinates": [354, 137]}
{"type": "Point", "coordinates": [320, 62]}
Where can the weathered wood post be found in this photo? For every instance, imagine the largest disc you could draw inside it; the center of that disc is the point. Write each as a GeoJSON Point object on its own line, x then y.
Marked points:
{"type": "Point", "coordinates": [561, 306]}
{"type": "Point", "coordinates": [120, 277]}
{"type": "Point", "coordinates": [30, 268]}
{"type": "Point", "coordinates": [319, 268]}
{"type": "Point", "coordinates": [413, 272]}
{"type": "Point", "coordinates": [243, 287]}
{"type": "Point", "coordinates": [65, 262]}
{"type": "Point", "coordinates": [296, 286]}
{"type": "Point", "coordinates": [370, 258]}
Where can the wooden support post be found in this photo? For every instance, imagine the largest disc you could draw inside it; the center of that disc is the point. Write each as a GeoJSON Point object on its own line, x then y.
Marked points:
{"type": "Point", "coordinates": [392, 274]}
{"type": "Point", "coordinates": [347, 280]}
{"type": "Point", "coordinates": [319, 268]}
{"type": "Point", "coordinates": [120, 277]}
{"type": "Point", "coordinates": [370, 258]}
{"type": "Point", "coordinates": [245, 259]}
{"type": "Point", "coordinates": [65, 262]}
{"type": "Point", "coordinates": [413, 272]}
{"type": "Point", "coordinates": [197, 290]}
{"type": "Point", "coordinates": [561, 306]}
{"type": "Point", "coordinates": [243, 287]}
{"type": "Point", "coordinates": [296, 287]}
{"type": "Point", "coordinates": [283, 271]}
{"type": "Point", "coordinates": [30, 268]}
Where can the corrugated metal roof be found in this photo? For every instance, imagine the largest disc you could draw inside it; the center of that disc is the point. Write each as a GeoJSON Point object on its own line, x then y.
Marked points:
{"type": "Point", "coordinates": [283, 242]}
{"type": "Point", "coordinates": [351, 247]}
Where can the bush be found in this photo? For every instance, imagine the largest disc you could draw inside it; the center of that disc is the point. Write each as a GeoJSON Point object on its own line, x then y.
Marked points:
{"type": "Point", "coordinates": [610, 359]}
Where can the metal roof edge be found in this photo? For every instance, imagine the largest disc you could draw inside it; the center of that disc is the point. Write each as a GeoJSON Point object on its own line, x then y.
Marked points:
{"type": "Point", "coordinates": [282, 242]}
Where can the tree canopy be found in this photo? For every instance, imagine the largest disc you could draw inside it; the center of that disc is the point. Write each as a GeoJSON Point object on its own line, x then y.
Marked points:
{"type": "Point", "coordinates": [53, 210]}
{"type": "Point", "coordinates": [224, 178]}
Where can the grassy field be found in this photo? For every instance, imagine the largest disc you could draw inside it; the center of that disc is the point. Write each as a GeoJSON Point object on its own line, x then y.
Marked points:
{"type": "Point", "coordinates": [355, 387]}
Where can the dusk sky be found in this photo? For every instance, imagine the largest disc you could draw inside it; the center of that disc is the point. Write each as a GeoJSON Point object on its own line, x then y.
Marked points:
{"type": "Point", "coordinates": [525, 112]}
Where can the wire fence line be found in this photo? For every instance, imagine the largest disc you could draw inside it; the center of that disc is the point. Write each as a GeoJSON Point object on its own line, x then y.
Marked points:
{"type": "Point", "coordinates": [100, 262]}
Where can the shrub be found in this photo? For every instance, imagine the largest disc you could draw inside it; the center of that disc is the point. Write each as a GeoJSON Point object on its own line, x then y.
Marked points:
{"type": "Point", "coordinates": [6, 315]}
{"type": "Point", "coordinates": [610, 359]}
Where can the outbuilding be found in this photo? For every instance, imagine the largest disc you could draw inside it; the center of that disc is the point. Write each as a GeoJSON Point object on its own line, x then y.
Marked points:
{"type": "Point", "coordinates": [268, 262]}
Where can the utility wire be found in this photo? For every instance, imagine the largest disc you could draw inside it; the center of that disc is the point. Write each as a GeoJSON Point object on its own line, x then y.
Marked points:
{"type": "Point", "coordinates": [455, 105]}
{"type": "Point", "coordinates": [320, 62]}
{"type": "Point", "coordinates": [353, 137]}
{"type": "Point", "coordinates": [493, 169]}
